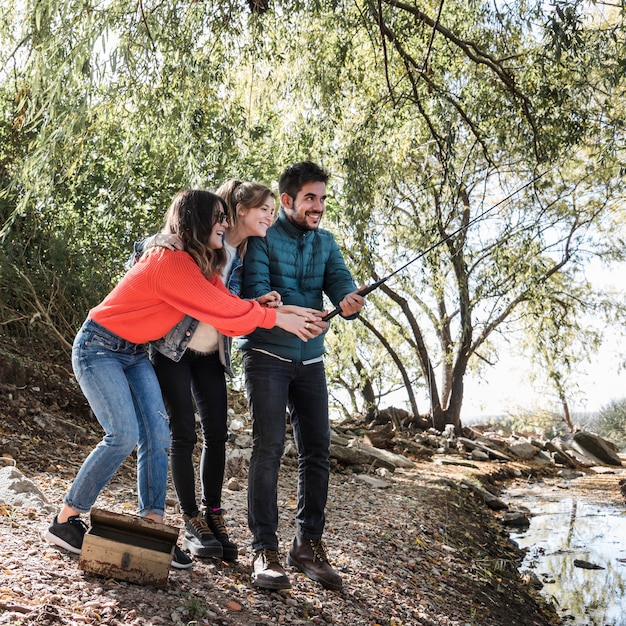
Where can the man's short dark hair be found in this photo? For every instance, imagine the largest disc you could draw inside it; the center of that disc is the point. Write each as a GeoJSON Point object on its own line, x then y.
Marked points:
{"type": "Point", "coordinates": [299, 174]}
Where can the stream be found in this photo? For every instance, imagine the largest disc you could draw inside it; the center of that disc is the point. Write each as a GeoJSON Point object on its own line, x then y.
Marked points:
{"type": "Point", "coordinates": [575, 525]}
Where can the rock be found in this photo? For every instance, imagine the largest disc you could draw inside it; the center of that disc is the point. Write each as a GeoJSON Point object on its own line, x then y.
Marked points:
{"type": "Point", "coordinates": [523, 449]}
{"type": "Point", "coordinates": [415, 448]}
{"type": "Point", "coordinates": [371, 481]}
{"type": "Point", "coordinates": [493, 502]}
{"type": "Point", "coordinates": [516, 519]}
{"type": "Point", "coordinates": [232, 605]}
{"type": "Point", "coordinates": [586, 564]}
{"type": "Point", "coordinates": [569, 474]}
{"type": "Point", "coordinates": [356, 453]}
{"type": "Point", "coordinates": [18, 491]}
{"type": "Point", "coordinates": [456, 462]}
{"type": "Point", "coordinates": [290, 450]}
{"type": "Point", "coordinates": [493, 443]}
{"type": "Point", "coordinates": [237, 424]}
{"type": "Point", "coordinates": [233, 484]}
{"type": "Point", "coordinates": [472, 445]}
{"type": "Point", "coordinates": [479, 455]}
{"type": "Point", "coordinates": [556, 447]}
{"type": "Point", "coordinates": [237, 461]}
{"type": "Point", "coordinates": [596, 448]}
{"type": "Point", "coordinates": [243, 440]}
{"type": "Point", "coordinates": [585, 449]}
{"type": "Point", "coordinates": [542, 457]}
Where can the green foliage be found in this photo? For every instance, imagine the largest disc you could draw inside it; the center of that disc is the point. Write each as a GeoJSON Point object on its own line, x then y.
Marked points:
{"type": "Point", "coordinates": [426, 121]}
{"type": "Point", "coordinates": [539, 422]}
{"type": "Point", "coordinates": [113, 115]}
{"type": "Point", "coordinates": [437, 151]}
{"type": "Point", "coordinates": [610, 422]}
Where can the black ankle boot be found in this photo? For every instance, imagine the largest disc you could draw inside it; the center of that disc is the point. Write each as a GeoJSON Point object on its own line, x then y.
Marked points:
{"type": "Point", "coordinates": [215, 521]}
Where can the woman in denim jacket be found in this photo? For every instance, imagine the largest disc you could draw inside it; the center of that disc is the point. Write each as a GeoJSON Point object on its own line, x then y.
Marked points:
{"type": "Point", "coordinates": [191, 362]}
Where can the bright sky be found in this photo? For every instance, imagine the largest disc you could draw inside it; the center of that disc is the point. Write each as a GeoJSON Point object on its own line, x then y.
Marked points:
{"type": "Point", "coordinates": [508, 386]}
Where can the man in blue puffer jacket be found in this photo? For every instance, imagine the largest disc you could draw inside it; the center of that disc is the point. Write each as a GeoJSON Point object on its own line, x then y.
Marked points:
{"type": "Point", "coordinates": [301, 262]}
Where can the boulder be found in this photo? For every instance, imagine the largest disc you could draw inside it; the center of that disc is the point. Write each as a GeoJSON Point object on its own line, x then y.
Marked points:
{"type": "Point", "coordinates": [472, 445]}
{"type": "Point", "coordinates": [516, 519]}
{"type": "Point", "coordinates": [523, 449]}
{"type": "Point", "coordinates": [356, 453]}
{"type": "Point", "coordinates": [560, 456]}
{"type": "Point", "coordinates": [493, 502]}
{"type": "Point", "coordinates": [595, 448]}
{"type": "Point", "coordinates": [18, 491]}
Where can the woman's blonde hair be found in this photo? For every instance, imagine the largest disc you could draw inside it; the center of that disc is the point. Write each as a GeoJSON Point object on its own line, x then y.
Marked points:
{"type": "Point", "coordinates": [191, 216]}
{"type": "Point", "coordinates": [243, 195]}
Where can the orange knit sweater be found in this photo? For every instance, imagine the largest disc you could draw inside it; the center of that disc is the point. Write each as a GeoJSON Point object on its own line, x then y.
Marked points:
{"type": "Point", "coordinates": [163, 287]}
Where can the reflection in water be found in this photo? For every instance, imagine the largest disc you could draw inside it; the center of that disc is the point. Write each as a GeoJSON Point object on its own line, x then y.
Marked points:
{"type": "Point", "coordinates": [570, 529]}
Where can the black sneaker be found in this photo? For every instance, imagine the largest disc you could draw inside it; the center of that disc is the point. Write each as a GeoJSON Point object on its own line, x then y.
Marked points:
{"type": "Point", "coordinates": [68, 535]}
{"type": "Point", "coordinates": [180, 560]}
{"type": "Point", "coordinates": [199, 540]}
{"type": "Point", "coordinates": [215, 521]}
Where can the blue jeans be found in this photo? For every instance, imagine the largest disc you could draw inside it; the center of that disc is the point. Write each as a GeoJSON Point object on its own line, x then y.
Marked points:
{"type": "Point", "coordinates": [203, 376]}
{"type": "Point", "coordinates": [273, 385]}
{"type": "Point", "coordinates": [122, 389]}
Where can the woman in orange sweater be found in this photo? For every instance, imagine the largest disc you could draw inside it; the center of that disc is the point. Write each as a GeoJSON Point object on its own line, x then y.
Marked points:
{"type": "Point", "coordinates": [112, 367]}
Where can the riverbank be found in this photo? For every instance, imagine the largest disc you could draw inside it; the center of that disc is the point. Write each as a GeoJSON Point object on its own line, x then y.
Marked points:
{"type": "Point", "coordinates": [416, 550]}
{"type": "Point", "coordinates": [416, 547]}
{"type": "Point", "coordinates": [575, 543]}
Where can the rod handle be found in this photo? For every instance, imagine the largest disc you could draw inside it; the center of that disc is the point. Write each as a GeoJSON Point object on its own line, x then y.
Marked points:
{"type": "Point", "coordinates": [362, 292]}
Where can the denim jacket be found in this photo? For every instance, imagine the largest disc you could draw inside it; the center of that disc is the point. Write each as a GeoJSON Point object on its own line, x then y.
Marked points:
{"type": "Point", "coordinates": [175, 343]}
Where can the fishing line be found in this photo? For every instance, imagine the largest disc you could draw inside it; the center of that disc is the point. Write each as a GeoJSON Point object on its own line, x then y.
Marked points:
{"type": "Point", "coordinates": [378, 283]}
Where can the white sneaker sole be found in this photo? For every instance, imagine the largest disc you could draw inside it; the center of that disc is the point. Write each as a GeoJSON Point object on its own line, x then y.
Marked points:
{"type": "Point", "coordinates": [57, 541]}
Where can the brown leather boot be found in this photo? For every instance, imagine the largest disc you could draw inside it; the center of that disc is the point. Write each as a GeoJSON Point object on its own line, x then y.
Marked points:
{"type": "Point", "coordinates": [267, 572]}
{"type": "Point", "coordinates": [309, 556]}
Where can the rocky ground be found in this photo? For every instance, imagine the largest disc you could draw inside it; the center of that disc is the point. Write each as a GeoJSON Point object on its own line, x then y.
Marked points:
{"type": "Point", "coordinates": [415, 547]}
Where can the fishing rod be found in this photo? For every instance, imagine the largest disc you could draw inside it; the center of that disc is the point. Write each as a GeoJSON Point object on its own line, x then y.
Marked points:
{"type": "Point", "coordinates": [378, 283]}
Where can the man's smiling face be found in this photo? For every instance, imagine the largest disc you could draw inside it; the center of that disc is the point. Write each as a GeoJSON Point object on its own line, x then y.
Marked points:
{"type": "Point", "coordinates": [307, 209]}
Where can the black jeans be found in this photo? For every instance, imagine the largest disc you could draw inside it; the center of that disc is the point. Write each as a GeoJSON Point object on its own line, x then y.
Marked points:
{"type": "Point", "coordinates": [203, 376]}
{"type": "Point", "coordinates": [272, 386]}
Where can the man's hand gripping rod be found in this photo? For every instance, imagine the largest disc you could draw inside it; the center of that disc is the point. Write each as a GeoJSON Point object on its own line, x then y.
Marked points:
{"type": "Point", "coordinates": [378, 283]}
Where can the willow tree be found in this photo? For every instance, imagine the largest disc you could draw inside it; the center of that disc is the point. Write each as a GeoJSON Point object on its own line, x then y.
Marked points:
{"type": "Point", "coordinates": [427, 116]}
{"type": "Point", "coordinates": [475, 109]}
{"type": "Point", "coordinates": [108, 109]}
{"type": "Point", "coordinates": [489, 140]}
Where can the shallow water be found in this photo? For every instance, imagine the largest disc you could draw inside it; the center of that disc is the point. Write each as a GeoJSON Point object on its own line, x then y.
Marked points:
{"type": "Point", "coordinates": [565, 527]}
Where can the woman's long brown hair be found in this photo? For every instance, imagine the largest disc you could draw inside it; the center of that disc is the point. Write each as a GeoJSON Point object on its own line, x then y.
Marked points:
{"type": "Point", "coordinates": [191, 216]}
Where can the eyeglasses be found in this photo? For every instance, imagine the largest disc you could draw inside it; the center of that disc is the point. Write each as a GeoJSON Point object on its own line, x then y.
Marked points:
{"type": "Point", "coordinates": [222, 217]}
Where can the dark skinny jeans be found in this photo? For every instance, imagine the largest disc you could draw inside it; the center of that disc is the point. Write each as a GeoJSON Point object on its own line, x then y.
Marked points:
{"type": "Point", "coordinates": [203, 376]}
{"type": "Point", "coordinates": [272, 386]}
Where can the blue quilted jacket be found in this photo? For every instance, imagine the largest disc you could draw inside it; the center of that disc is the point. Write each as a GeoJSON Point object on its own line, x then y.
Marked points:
{"type": "Point", "coordinates": [301, 266]}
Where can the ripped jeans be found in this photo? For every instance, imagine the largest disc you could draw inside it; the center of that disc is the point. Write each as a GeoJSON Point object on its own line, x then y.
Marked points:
{"type": "Point", "coordinates": [122, 389]}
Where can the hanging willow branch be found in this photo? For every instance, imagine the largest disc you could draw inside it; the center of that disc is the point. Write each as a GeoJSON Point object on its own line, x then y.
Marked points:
{"type": "Point", "coordinates": [432, 38]}
{"type": "Point", "coordinates": [420, 71]}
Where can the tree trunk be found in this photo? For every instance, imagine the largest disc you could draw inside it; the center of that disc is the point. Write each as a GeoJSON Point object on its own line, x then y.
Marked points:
{"type": "Point", "coordinates": [567, 417]}
{"type": "Point", "coordinates": [396, 359]}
